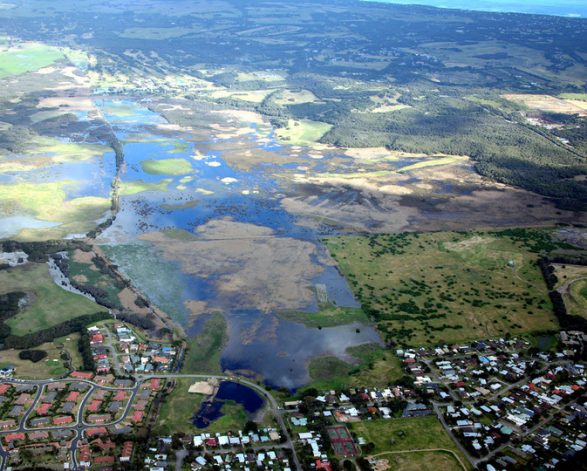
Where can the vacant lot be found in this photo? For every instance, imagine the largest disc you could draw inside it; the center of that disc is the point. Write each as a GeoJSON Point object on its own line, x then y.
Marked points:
{"type": "Point", "coordinates": [448, 287]}
{"type": "Point", "coordinates": [421, 461]}
{"type": "Point", "coordinates": [48, 304]}
{"type": "Point", "coordinates": [405, 434]}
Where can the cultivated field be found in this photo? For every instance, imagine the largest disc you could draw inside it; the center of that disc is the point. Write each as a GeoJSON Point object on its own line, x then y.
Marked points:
{"type": "Point", "coordinates": [448, 287]}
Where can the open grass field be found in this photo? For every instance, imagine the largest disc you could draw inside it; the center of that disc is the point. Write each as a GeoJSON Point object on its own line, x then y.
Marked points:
{"type": "Point", "coordinates": [405, 434]}
{"type": "Point", "coordinates": [52, 366]}
{"type": "Point", "coordinates": [303, 132]}
{"type": "Point", "coordinates": [27, 57]}
{"type": "Point", "coordinates": [573, 286]}
{"type": "Point", "coordinates": [166, 167]}
{"type": "Point", "coordinates": [433, 288]}
{"type": "Point", "coordinates": [48, 303]}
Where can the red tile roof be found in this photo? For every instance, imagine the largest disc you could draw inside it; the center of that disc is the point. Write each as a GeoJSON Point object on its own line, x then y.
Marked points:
{"type": "Point", "coordinates": [62, 420]}
{"type": "Point", "coordinates": [82, 375]}
{"type": "Point", "coordinates": [43, 409]}
{"type": "Point", "coordinates": [14, 436]}
{"type": "Point", "coordinates": [91, 432]}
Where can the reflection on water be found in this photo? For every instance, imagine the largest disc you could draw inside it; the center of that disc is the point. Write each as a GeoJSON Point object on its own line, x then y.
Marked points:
{"type": "Point", "coordinates": [280, 350]}
{"type": "Point", "coordinates": [260, 342]}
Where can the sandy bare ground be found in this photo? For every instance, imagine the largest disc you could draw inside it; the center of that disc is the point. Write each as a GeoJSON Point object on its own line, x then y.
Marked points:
{"type": "Point", "coordinates": [250, 267]}
{"type": "Point", "coordinates": [548, 103]}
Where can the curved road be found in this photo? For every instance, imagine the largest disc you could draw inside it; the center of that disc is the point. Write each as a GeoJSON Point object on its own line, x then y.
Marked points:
{"type": "Point", "coordinates": [80, 426]}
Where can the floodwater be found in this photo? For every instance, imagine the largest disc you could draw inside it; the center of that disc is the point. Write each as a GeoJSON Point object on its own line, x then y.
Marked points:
{"type": "Point", "coordinates": [259, 341]}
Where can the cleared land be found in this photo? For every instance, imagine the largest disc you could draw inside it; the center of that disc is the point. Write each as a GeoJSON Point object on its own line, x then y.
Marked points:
{"type": "Point", "coordinates": [303, 132]}
{"type": "Point", "coordinates": [448, 287]}
{"type": "Point", "coordinates": [48, 304]}
{"type": "Point", "coordinates": [420, 461]}
{"type": "Point", "coordinates": [405, 434]}
{"type": "Point", "coordinates": [292, 97]}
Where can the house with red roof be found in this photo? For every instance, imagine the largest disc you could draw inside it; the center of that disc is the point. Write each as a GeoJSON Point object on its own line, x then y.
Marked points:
{"type": "Point", "coordinates": [43, 409]}
{"type": "Point", "coordinates": [96, 431]}
{"type": "Point", "coordinates": [137, 417]}
{"type": "Point", "coordinates": [11, 437]}
{"type": "Point", "coordinates": [126, 452]}
{"type": "Point", "coordinates": [154, 384]}
{"type": "Point", "coordinates": [325, 465]}
{"type": "Point", "coordinates": [94, 406]}
{"type": "Point", "coordinates": [72, 397]}
{"type": "Point", "coordinates": [82, 375]}
{"type": "Point", "coordinates": [62, 420]}
{"type": "Point", "coordinates": [119, 396]}
{"type": "Point", "coordinates": [96, 339]}
{"type": "Point", "coordinates": [4, 388]}
{"type": "Point", "coordinates": [104, 460]}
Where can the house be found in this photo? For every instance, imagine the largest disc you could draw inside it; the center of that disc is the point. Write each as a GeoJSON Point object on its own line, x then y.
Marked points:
{"type": "Point", "coordinates": [62, 420]}
{"type": "Point", "coordinates": [12, 437]}
{"type": "Point", "coordinates": [82, 375]}
{"type": "Point", "coordinates": [126, 451]}
{"type": "Point", "coordinates": [43, 408]}
{"type": "Point", "coordinates": [96, 431]}
{"type": "Point", "coordinates": [137, 417]}
{"type": "Point", "coordinates": [6, 424]}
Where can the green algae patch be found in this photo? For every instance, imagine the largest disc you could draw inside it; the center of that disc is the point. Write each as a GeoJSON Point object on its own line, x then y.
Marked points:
{"type": "Point", "coordinates": [167, 167]}
{"type": "Point", "coordinates": [139, 186]}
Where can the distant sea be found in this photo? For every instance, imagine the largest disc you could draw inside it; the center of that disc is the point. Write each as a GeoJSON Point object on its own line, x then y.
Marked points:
{"type": "Point", "coordinates": [568, 8]}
